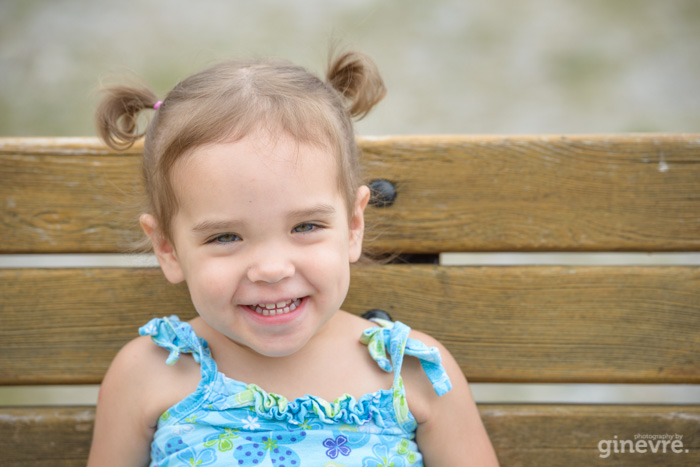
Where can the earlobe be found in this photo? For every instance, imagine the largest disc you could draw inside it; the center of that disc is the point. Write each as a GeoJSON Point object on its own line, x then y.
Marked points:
{"type": "Point", "coordinates": [163, 249]}
{"type": "Point", "coordinates": [357, 223]}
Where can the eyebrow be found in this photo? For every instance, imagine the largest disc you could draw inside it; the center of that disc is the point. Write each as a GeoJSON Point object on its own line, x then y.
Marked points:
{"type": "Point", "coordinates": [209, 226]}
{"type": "Point", "coordinates": [318, 210]}
{"type": "Point", "coordinates": [322, 210]}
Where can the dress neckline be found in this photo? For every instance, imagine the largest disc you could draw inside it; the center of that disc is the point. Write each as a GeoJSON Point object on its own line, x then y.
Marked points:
{"type": "Point", "coordinates": [216, 391]}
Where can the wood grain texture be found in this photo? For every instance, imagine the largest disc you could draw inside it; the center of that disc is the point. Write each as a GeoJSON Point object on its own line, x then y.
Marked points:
{"type": "Point", "coordinates": [522, 435]}
{"type": "Point", "coordinates": [455, 193]}
{"type": "Point", "coordinates": [569, 435]}
{"type": "Point", "coordinates": [510, 324]}
{"type": "Point", "coordinates": [66, 326]}
{"type": "Point", "coordinates": [548, 323]}
{"type": "Point", "coordinates": [46, 436]}
{"type": "Point", "coordinates": [68, 195]}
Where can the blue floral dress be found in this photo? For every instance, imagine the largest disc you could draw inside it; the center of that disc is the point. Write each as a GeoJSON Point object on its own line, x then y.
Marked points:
{"type": "Point", "coordinates": [227, 422]}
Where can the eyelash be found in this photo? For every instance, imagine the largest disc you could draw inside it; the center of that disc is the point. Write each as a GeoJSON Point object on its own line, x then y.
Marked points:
{"type": "Point", "coordinates": [234, 237]}
{"type": "Point", "coordinates": [218, 238]}
{"type": "Point", "coordinates": [310, 224]}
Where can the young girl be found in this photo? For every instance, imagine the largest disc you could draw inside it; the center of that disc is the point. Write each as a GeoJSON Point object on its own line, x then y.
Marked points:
{"type": "Point", "coordinates": [255, 201]}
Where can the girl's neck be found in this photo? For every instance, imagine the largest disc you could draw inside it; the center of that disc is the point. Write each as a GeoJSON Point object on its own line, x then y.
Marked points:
{"type": "Point", "coordinates": [228, 353]}
{"type": "Point", "coordinates": [320, 368]}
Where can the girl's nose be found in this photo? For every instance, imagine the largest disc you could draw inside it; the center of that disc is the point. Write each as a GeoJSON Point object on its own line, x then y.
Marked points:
{"type": "Point", "coordinates": [270, 268]}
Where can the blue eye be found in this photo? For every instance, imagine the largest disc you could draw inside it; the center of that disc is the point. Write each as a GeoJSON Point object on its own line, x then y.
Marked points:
{"type": "Point", "coordinates": [306, 227]}
{"type": "Point", "coordinates": [226, 238]}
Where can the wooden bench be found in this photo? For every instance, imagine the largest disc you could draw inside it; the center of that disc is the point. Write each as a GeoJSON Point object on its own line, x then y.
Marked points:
{"type": "Point", "coordinates": [522, 324]}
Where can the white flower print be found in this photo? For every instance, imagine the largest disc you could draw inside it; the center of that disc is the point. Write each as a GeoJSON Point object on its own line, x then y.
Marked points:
{"type": "Point", "coordinates": [251, 423]}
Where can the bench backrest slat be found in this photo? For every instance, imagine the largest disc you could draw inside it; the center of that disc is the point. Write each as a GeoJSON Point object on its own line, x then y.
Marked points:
{"type": "Point", "coordinates": [538, 435]}
{"type": "Point", "coordinates": [517, 324]}
{"type": "Point", "coordinates": [583, 193]}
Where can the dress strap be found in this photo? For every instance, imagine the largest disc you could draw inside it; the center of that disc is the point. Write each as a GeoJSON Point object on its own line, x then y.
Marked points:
{"type": "Point", "coordinates": [393, 336]}
{"type": "Point", "coordinates": [178, 337]}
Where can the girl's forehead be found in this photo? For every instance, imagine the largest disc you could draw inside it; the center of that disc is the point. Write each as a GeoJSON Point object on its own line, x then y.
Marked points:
{"type": "Point", "coordinates": [263, 150]}
{"type": "Point", "coordinates": [281, 164]}
{"type": "Point", "coordinates": [263, 190]}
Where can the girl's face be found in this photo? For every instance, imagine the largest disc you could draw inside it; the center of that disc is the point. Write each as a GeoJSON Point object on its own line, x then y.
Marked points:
{"type": "Point", "coordinates": [263, 240]}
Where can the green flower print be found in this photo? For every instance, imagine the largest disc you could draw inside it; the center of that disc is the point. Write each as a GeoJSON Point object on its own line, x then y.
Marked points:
{"type": "Point", "coordinates": [400, 404]}
{"type": "Point", "coordinates": [222, 440]}
{"type": "Point", "coordinates": [403, 448]}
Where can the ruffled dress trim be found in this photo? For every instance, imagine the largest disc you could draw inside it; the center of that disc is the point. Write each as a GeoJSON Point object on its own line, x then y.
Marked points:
{"type": "Point", "coordinates": [217, 392]}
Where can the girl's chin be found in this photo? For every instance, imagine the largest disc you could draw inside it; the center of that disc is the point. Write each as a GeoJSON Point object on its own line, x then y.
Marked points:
{"type": "Point", "coordinates": [277, 351]}
{"type": "Point", "coordinates": [279, 335]}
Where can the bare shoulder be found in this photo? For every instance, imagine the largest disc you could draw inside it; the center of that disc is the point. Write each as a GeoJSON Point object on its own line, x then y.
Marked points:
{"type": "Point", "coordinates": [140, 374]}
{"type": "Point", "coordinates": [449, 420]}
{"type": "Point", "coordinates": [420, 395]}
{"type": "Point", "coordinates": [136, 390]}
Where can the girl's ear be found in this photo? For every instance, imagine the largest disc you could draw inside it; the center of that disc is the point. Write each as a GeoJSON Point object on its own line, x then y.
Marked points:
{"type": "Point", "coordinates": [357, 223]}
{"type": "Point", "coordinates": [163, 248]}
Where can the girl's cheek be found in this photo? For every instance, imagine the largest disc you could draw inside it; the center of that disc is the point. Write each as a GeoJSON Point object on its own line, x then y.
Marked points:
{"type": "Point", "coordinates": [214, 276]}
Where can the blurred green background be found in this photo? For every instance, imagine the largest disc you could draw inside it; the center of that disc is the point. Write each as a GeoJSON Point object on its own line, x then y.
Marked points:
{"type": "Point", "coordinates": [451, 66]}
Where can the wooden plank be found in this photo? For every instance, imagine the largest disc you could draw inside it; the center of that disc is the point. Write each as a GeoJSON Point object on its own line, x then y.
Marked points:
{"type": "Point", "coordinates": [68, 195]}
{"type": "Point", "coordinates": [455, 193]}
{"type": "Point", "coordinates": [577, 193]}
{"type": "Point", "coordinates": [66, 326]}
{"type": "Point", "coordinates": [549, 323]}
{"type": "Point", "coordinates": [46, 436]}
{"type": "Point", "coordinates": [522, 435]}
{"type": "Point", "coordinates": [517, 324]}
{"type": "Point", "coordinates": [554, 435]}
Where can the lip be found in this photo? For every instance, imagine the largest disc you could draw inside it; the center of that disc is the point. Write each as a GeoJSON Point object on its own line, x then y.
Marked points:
{"type": "Point", "coordinates": [277, 319]}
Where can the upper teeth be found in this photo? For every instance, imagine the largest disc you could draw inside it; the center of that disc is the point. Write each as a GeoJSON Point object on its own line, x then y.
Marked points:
{"type": "Point", "coordinates": [272, 309]}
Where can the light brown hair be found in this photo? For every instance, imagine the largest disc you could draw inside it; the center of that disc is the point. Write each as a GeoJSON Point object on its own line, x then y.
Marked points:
{"type": "Point", "coordinates": [230, 100]}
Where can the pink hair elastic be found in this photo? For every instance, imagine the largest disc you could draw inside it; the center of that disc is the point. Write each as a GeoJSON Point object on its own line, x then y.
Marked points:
{"type": "Point", "coordinates": [157, 105]}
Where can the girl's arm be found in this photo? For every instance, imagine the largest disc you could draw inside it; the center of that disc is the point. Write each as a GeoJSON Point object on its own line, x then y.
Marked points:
{"type": "Point", "coordinates": [123, 432]}
{"type": "Point", "coordinates": [450, 430]}
{"type": "Point", "coordinates": [136, 390]}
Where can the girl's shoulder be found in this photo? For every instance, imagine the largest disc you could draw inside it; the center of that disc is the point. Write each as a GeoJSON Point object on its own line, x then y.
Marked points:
{"type": "Point", "coordinates": [420, 393]}
{"type": "Point", "coordinates": [430, 374]}
{"type": "Point", "coordinates": [145, 358]}
{"type": "Point", "coordinates": [446, 420]}
{"type": "Point", "coordinates": [140, 377]}
{"type": "Point", "coordinates": [136, 390]}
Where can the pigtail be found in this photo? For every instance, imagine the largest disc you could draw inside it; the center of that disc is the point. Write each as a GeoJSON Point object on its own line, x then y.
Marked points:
{"type": "Point", "coordinates": [117, 115]}
{"type": "Point", "coordinates": [356, 77]}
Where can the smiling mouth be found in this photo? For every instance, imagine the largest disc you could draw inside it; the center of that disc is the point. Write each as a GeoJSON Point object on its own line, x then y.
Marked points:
{"type": "Point", "coordinates": [274, 309]}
